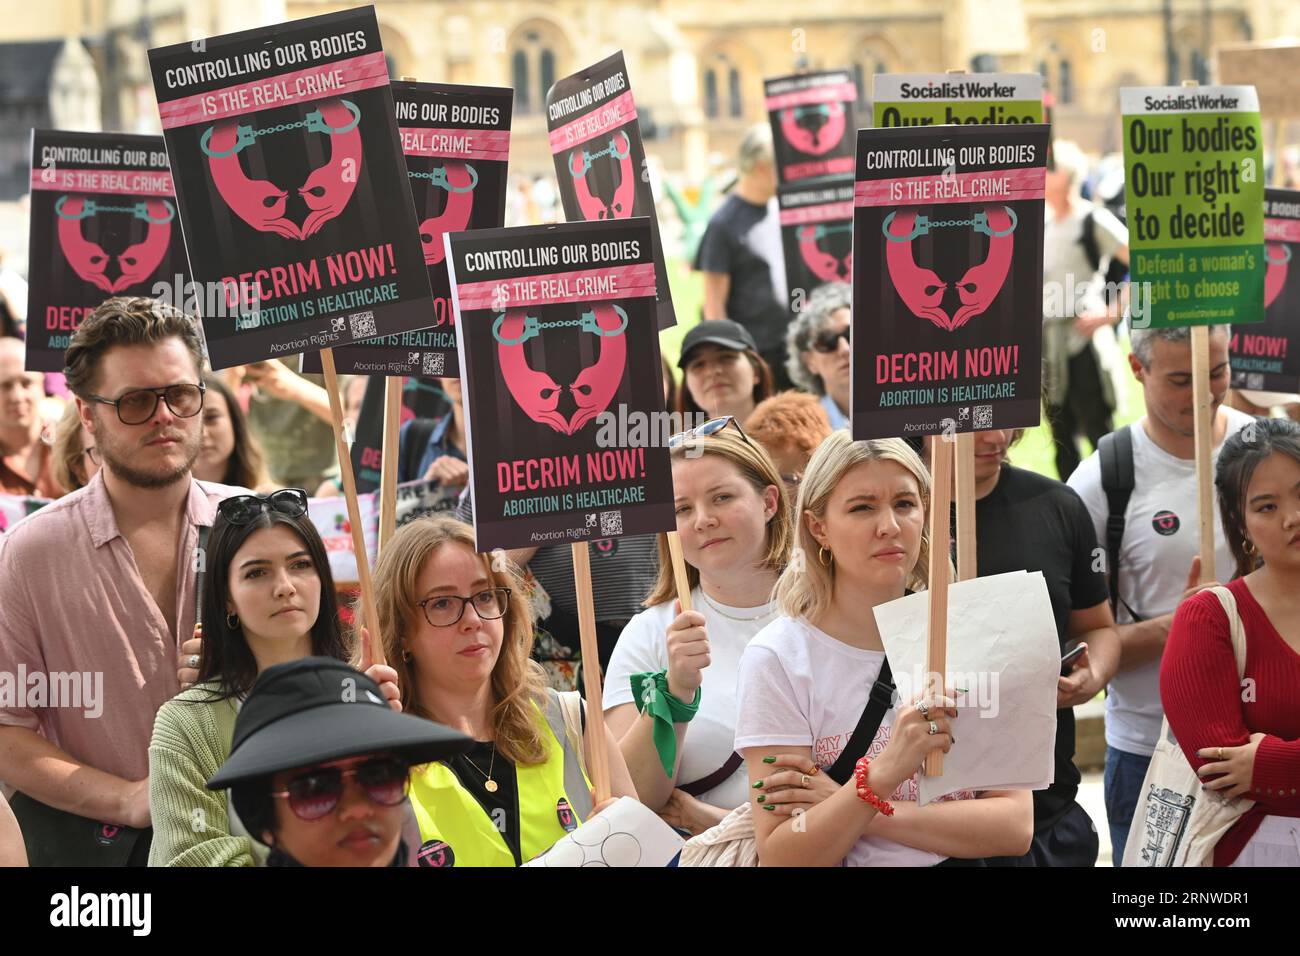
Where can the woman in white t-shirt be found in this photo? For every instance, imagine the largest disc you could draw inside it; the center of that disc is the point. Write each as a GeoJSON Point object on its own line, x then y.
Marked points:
{"type": "Point", "coordinates": [806, 677]}
{"type": "Point", "coordinates": [734, 522]}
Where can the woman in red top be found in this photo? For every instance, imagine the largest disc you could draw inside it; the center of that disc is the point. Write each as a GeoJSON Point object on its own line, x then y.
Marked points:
{"type": "Point", "coordinates": [1244, 740]}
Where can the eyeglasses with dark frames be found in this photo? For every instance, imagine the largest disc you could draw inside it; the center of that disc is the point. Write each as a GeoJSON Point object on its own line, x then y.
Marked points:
{"type": "Point", "coordinates": [139, 405]}
{"type": "Point", "coordinates": [828, 340]}
{"type": "Point", "coordinates": [241, 509]}
{"type": "Point", "coordinates": [442, 610]}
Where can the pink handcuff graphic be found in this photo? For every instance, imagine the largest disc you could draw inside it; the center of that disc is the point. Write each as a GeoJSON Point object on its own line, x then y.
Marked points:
{"type": "Point", "coordinates": [922, 290]}
{"type": "Point", "coordinates": [459, 180]}
{"type": "Point", "coordinates": [814, 138]}
{"type": "Point", "coordinates": [1278, 257]}
{"type": "Point", "coordinates": [825, 265]}
{"type": "Point", "coordinates": [606, 190]}
{"type": "Point", "coordinates": [536, 393]}
{"type": "Point", "coordinates": [261, 203]}
{"type": "Point", "coordinates": [136, 263]}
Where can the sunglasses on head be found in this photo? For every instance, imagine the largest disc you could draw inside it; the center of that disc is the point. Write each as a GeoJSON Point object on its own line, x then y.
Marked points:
{"type": "Point", "coordinates": [242, 509]}
{"type": "Point", "coordinates": [315, 794]}
{"type": "Point", "coordinates": [829, 340]}
{"type": "Point", "coordinates": [711, 427]}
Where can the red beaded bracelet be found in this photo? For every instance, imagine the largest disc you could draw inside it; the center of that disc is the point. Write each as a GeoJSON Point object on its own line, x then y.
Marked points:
{"type": "Point", "coordinates": [864, 789]}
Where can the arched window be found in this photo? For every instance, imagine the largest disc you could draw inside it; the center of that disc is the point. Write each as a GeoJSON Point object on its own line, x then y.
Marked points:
{"type": "Point", "coordinates": [547, 70]}
{"type": "Point", "coordinates": [733, 93]}
{"type": "Point", "coordinates": [519, 77]}
{"type": "Point", "coordinates": [711, 93]}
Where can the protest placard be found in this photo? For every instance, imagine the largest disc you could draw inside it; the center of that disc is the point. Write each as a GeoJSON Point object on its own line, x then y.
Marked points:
{"type": "Point", "coordinates": [600, 162]}
{"type": "Point", "coordinates": [556, 326]}
{"type": "Point", "coordinates": [291, 187]}
{"type": "Point", "coordinates": [420, 399]}
{"type": "Point", "coordinates": [817, 232]}
{"type": "Point", "coordinates": [456, 140]}
{"type": "Point", "coordinates": [1194, 192]}
{"type": "Point", "coordinates": [103, 223]}
{"type": "Point", "coordinates": [1261, 356]}
{"type": "Point", "coordinates": [947, 279]}
{"type": "Point", "coordinates": [812, 123]}
{"type": "Point", "coordinates": [935, 99]}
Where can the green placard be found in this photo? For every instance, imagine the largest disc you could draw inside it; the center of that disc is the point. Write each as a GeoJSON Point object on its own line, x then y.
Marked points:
{"type": "Point", "coordinates": [1194, 187]}
{"type": "Point", "coordinates": [937, 99]}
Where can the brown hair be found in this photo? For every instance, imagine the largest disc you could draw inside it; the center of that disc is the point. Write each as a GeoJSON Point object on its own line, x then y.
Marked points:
{"type": "Point", "coordinates": [789, 420]}
{"type": "Point", "coordinates": [246, 467]}
{"type": "Point", "coordinates": [517, 682]}
{"type": "Point", "coordinates": [756, 468]}
{"type": "Point", "coordinates": [67, 455]}
{"type": "Point", "coordinates": [764, 386]}
{"type": "Point", "coordinates": [125, 321]}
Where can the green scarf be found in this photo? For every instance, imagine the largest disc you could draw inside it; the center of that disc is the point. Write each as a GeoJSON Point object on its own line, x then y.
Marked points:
{"type": "Point", "coordinates": [650, 692]}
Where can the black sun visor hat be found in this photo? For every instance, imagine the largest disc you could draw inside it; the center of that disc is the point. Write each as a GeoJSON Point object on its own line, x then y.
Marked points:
{"type": "Point", "coordinates": [316, 709]}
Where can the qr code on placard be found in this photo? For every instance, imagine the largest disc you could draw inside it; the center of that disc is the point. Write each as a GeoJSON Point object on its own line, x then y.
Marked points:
{"type": "Point", "coordinates": [983, 416]}
{"type": "Point", "coordinates": [1255, 380]}
{"type": "Point", "coordinates": [433, 363]}
{"type": "Point", "coordinates": [362, 325]}
{"type": "Point", "coordinates": [611, 523]}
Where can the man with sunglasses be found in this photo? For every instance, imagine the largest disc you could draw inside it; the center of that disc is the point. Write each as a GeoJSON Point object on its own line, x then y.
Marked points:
{"type": "Point", "coordinates": [320, 765]}
{"type": "Point", "coordinates": [98, 589]}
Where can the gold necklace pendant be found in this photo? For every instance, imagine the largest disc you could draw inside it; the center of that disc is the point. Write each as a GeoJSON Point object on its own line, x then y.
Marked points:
{"type": "Point", "coordinates": [490, 785]}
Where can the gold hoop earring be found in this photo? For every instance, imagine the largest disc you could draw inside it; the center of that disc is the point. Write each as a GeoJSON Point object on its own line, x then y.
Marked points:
{"type": "Point", "coordinates": [1248, 546]}
{"type": "Point", "coordinates": [406, 656]}
{"type": "Point", "coordinates": [232, 621]}
{"type": "Point", "coordinates": [822, 559]}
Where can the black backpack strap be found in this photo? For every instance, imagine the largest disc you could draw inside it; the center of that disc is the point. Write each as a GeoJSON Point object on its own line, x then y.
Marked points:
{"type": "Point", "coordinates": [1088, 240]}
{"type": "Point", "coordinates": [721, 775]}
{"type": "Point", "coordinates": [412, 448]}
{"type": "Point", "coordinates": [881, 699]}
{"type": "Point", "coordinates": [1115, 455]}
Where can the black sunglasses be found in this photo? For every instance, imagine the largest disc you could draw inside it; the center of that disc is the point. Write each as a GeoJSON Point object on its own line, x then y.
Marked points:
{"type": "Point", "coordinates": [138, 406]}
{"type": "Point", "coordinates": [711, 427]}
{"type": "Point", "coordinates": [317, 792]}
{"type": "Point", "coordinates": [828, 341]}
{"type": "Point", "coordinates": [242, 509]}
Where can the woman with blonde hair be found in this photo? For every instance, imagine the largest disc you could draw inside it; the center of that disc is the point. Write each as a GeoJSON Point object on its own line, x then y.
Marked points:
{"type": "Point", "coordinates": [808, 678]}
{"type": "Point", "coordinates": [74, 459]}
{"type": "Point", "coordinates": [458, 630]}
{"type": "Point", "coordinates": [734, 524]}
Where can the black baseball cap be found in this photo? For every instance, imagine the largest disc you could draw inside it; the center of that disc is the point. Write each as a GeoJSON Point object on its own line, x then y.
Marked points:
{"type": "Point", "coordinates": [724, 332]}
{"type": "Point", "coordinates": [317, 709]}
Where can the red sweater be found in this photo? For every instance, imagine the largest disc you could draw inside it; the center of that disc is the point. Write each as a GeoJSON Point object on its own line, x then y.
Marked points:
{"type": "Point", "coordinates": [1203, 702]}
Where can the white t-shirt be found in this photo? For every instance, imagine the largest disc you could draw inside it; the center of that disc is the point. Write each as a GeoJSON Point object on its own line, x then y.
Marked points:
{"type": "Point", "coordinates": [710, 736]}
{"type": "Point", "coordinates": [1161, 537]}
{"type": "Point", "coordinates": [800, 687]}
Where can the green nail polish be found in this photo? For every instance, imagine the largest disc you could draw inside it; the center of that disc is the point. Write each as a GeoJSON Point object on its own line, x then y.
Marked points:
{"type": "Point", "coordinates": [758, 784]}
{"type": "Point", "coordinates": [769, 759]}
{"type": "Point", "coordinates": [961, 690]}
{"type": "Point", "coordinates": [768, 806]}
{"type": "Point", "coordinates": [760, 798]}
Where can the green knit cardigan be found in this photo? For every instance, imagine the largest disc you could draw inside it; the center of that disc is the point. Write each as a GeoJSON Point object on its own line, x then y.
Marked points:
{"type": "Point", "coordinates": [191, 825]}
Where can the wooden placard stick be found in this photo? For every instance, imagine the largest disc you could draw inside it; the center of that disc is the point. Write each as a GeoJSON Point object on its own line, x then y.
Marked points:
{"type": "Point", "coordinates": [965, 492]}
{"type": "Point", "coordinates": [680, 580]}
{"type": "Point", "coordinates": [388, 459]}
{"type": "Point", "coordinates": [941, 461]}
{"type": "Point", "coordinates": [597, 756]}
{"type": "Point", "coordinates": [354, 509]}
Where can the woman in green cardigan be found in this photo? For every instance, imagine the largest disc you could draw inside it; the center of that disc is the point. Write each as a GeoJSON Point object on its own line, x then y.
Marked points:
{"type": "Point", "coordinates": [268, 598]}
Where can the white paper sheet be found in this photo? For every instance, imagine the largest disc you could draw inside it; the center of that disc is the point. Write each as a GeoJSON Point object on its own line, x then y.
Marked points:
{"type": "Point", "coordinates": [626, 833]}
{"type": "Point", "coordinates": [1003, 649]}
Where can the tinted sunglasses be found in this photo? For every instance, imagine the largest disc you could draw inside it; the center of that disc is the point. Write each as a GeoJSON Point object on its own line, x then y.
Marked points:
{"type": "Point", "coordinates": [316, 793]}
{"type": "Point", "coordinates": [711, 427]}
{"type": "Point", "coordinates": [242, 509]}
{"type": "Point", "coordinates": [137, 407]}
{"type": "Point", "coordinates": [828, 341]}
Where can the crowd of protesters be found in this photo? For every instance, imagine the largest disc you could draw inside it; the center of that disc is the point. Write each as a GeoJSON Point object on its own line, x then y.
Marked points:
{"type": "Point", "coordinates": [223, 740]}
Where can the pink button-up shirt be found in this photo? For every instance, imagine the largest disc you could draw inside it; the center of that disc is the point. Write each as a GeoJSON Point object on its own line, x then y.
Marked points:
{"type": "Point", "coordinates": [75, 611]}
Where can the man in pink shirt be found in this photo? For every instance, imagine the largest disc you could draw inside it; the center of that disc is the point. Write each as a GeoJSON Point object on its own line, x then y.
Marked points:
{"type": "Point", "coordinates": [97, 590]}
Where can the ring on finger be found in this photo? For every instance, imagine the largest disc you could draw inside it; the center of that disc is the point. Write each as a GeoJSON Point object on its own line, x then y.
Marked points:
{"type": "Point", "coordinates": [924, 709]}
{"type": "Point", "coordinates": [194, 660]}
{"type": "Point", "coordinates": [803, 780]}
{"type": "Point", "coordinates": [934, 728]}
{"type": "Point", "coordinates": [814, 770]}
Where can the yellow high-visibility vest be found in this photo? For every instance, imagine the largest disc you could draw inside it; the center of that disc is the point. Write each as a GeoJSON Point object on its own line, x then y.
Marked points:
{"type": "Point", "coordinates": [554, 798]}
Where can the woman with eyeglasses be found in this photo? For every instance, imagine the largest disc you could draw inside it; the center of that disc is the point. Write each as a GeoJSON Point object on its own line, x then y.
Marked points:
{"type": "Point", "coordinates": [74, 457]}
{"type": "Point", "coordinates": [806, 682]}
{"type": "Point", "coordinates": [267, 598]}
{"type": "Point", "coordinates": [818, 346]}
{"type": "Point", "coordinates": [669, 692]}
{"type": "Point", "coordinates": [458, 631]}
{"type": "Point", "coordinates": [722, 373]}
